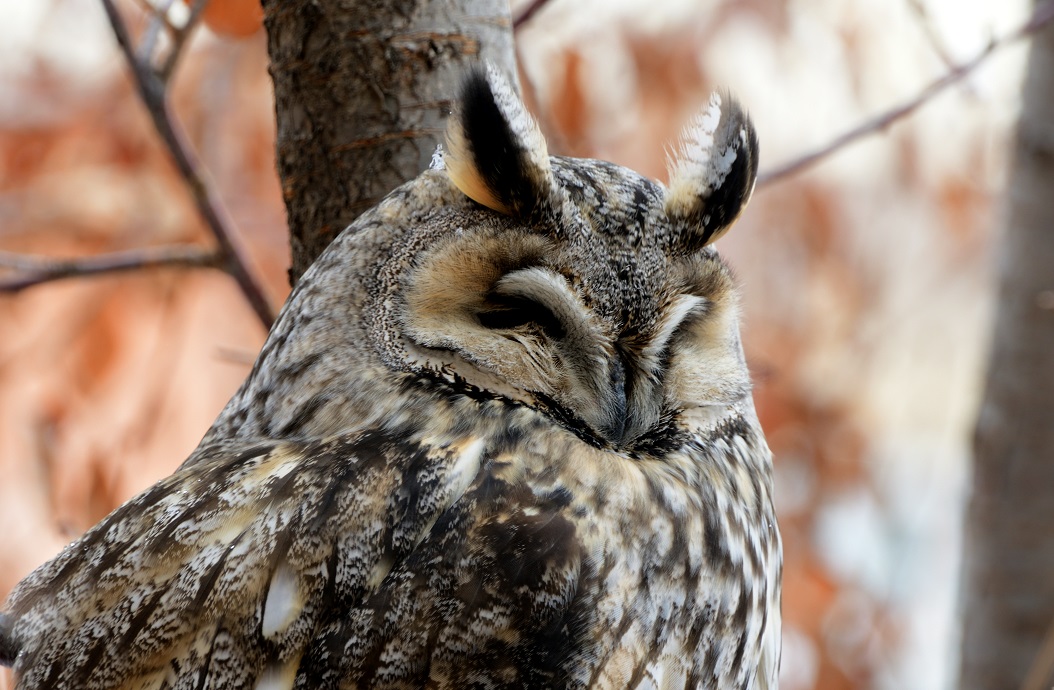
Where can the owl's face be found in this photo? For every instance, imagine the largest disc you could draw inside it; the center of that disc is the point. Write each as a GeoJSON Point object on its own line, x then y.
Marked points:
{"type": "Point", "coordinates": [576, 287]}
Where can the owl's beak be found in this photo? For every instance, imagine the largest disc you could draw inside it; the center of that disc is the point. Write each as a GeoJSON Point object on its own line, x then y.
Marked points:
{"type": "Point", "coordinates": [595, 393]}
{"type": "Point", "coordinates": [610, 411]}
{"type": "Point", "coordinates": [613, 427]}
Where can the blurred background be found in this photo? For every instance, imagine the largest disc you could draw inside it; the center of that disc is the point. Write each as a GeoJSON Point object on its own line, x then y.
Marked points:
{"type": "Point", "coordinates": [867, 279]}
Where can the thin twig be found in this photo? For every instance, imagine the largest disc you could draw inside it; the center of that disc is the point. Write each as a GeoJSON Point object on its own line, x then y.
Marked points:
{"type": "Point", "coordinates": [1040, 672]}
{"type": "Point", "coordinates": [179, 39]}
{"type": "Point", "coordinates": [34, 270]}
{"type": "Point", "coordinates": [1043, 15]}
{"type": "Point", "coordinates": [158, 21]}
{"type": "Point", "coordinates": [152, 91]}
{"type": "Point", "coordinates": [525, 16]}
{"type": "Point", "coordinates": [930, 31]}
{"type": "Point", "coordinates": [235, 356]}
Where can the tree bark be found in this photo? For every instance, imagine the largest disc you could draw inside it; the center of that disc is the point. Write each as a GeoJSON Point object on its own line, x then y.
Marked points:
{"type": "Point", "coordinates": [362, 92]}
{"type": "Point", "coordinates": [1008, 567]}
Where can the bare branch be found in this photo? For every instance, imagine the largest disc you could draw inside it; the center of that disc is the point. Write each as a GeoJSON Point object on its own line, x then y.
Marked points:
{"type": "Point", "coordinates": [179, 39]}
{"type": "Point", "coordinates": [151, 87]}
{"type": "Point", "coordinates": [1042, 16]}
{"type": "Point", "coordinates": [158, 22]}
{"type": "Point", "coordinates": [930, 31]}
{"type": "Point", "coordinates": [235, 356]}
{"type": "Point", "coordinates": [34, 270]}
{"type": "Point", "coordinates": [1039, 674]}
{"type": "Point", "coordinates": [526, 15]}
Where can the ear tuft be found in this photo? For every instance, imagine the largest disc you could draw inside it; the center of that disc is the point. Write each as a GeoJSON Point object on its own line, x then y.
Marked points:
{"type": "Point", "coordinates": [496, 154]}
{"type": "Point", "coordinates": [713, 172]}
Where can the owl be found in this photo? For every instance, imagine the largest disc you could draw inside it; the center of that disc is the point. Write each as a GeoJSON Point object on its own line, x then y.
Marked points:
{"type": "Point", "coordinates": [501, 436]}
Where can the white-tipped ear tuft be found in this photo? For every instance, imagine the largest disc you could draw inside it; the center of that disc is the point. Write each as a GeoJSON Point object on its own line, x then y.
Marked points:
{"type": "Point", "coordinates": [496, 154]}
{"type": "Point", "coordinates": [713, 171]}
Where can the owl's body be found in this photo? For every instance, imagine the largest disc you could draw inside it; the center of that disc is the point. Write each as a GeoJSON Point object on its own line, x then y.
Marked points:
{"type": "Point", "coordinates": [500, 437]}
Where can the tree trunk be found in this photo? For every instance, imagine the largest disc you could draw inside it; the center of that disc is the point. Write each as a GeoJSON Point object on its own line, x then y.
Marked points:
{"type": "Point", "coordinates": [1008, 568]}
{"type": "Point", "coordinates": [362, 91]}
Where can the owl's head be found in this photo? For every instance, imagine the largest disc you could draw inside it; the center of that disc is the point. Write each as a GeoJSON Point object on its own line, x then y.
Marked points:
{"type": "Point", "coordinates": [576, 287]}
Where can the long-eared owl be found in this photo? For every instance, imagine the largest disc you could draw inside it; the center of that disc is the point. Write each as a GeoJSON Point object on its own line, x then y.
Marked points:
{"type": "Point", "coordinates": [501, 436]}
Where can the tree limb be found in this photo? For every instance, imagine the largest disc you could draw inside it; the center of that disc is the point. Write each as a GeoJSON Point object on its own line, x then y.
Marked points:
{"type": "Point", "coordinates": [1041, 17]}
{"type": "Point", "coordinates": [925, 22]}
{"type": "Point", "coordinates": [151, 86]}
{"type": "Point", "coordinates": [525, 16]}
{"type": "Point", "coordinates": [158, 22]}
{"type": "Point", "coordinates": [179, 39]}
{"type": "Point", "coordinates": [34, 270]}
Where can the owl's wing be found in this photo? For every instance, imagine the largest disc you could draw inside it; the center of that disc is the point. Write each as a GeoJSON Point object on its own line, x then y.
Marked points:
{"type": "Point", "coordinates": [231, 565]}
{"type": "Point", "coordinates": [499, 594]}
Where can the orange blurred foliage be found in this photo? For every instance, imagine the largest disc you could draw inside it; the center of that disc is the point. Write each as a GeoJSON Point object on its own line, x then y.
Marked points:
{"type": "Point", "coordinates": [233, 18]}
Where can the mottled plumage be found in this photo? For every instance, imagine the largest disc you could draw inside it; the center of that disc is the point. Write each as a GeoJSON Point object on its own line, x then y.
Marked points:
{"type": "Point", "coordinates": [501, 436]}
